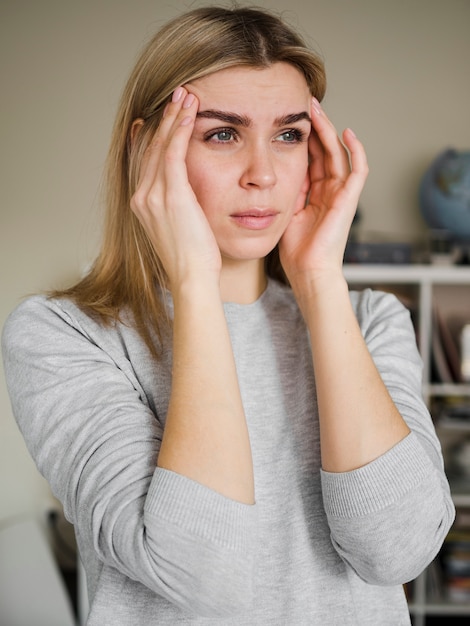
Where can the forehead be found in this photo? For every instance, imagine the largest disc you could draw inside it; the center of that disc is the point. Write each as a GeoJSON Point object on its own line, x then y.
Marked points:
{"type": "Point", "coordinates": [278, 88]}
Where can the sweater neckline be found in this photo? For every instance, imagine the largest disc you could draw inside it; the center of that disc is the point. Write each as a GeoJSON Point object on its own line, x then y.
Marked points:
{"type": "Point", "coordinates": [235, 307]}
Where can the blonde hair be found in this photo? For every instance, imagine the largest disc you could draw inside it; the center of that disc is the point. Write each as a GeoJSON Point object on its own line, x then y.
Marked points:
{"type": "Point", "coordinates": [127, 270]}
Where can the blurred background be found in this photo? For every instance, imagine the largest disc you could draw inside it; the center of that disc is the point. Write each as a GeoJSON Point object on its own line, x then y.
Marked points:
{"type": "Point", "coordinates": [398, 74]}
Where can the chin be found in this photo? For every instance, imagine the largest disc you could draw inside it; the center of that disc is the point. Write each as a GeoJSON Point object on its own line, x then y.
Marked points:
{"type": "Point", "coordinates": [249, 252]}
{"type": "Point", "coordinates": [250, 248]}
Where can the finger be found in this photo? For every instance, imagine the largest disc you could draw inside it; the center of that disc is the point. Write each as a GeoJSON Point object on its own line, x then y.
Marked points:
{"type": "Point", "coordinates": [359, 165]}
{"type": "Point", "coordinates": [160, 139]}
{"type": "Point", "coordinates": [317, 158]}
{"type": "Point", "coordinates": [164, 157]}
{"type": "Point", "coordinates": [181, 127]}
{"type": "Point", "coordinates": [336, 158]}
{"type": "Point", "coordinates": [176, 146]}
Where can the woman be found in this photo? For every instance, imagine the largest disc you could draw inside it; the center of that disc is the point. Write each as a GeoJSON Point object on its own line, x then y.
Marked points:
{"type": "Point", "coordinates": [235, 437]}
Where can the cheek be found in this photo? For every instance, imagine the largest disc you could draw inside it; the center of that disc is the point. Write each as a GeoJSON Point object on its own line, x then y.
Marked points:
{"type": "Point", "coordinates": [208, 178]}
{"type": "Point", "coordinates": [299, 162]}
{"type": "Point", "coordinates": [197, 176]}
{"type": "Point", "coordinates": [191, 164]}
{"type": "Point", "coordinates": [298, 176]}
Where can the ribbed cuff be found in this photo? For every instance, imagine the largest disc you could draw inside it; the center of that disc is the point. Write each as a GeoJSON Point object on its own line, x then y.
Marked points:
{"type": "Point", "coordinates": [198, 510]}
{"type": "Point", "coordinates": [378, 484]}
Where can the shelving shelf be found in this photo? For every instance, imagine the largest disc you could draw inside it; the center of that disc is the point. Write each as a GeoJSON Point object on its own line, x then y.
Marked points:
{"type": "Point", "coordinates": [423, 284]}
{"type": "Point", "coordinates": [447, 389]}
{"type": "Point", "coordinates": [461, 500]}
{"type": "Point", "coordinates": [439, 608]}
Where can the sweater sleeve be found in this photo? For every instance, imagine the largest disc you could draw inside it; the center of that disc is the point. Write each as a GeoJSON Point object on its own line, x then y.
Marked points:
{"type": "Point", "coordinates": [388, 519]}
{"type": "Point", "coordinates": [88, 426]}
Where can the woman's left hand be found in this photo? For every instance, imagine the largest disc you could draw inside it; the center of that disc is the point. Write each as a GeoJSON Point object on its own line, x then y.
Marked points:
{"type": "Point", "coordinates": [314, 242]}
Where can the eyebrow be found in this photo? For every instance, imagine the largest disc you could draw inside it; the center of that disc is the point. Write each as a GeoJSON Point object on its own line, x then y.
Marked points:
{"type": "Point", "coordinates": [243, 120]}
{"type": "Point", "coordinates": [293, 118]}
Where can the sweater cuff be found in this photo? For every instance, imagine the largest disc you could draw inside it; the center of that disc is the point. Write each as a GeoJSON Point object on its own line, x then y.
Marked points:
{"type": "Point", "coordinates": [200, 511]}
{"type": "Point", "coordinates": [378, 484]}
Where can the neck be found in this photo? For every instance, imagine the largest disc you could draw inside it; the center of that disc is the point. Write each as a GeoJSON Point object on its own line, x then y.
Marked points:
{"type": "Point", "coordinates": [242, 283]}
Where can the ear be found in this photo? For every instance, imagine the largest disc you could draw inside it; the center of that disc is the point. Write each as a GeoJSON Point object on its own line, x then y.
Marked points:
{"type": "Point", "coordinates": [136, 126]}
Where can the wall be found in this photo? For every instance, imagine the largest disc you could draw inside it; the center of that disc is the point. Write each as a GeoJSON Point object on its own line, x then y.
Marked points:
{"type": "Point", "coordinates": [398, 75]}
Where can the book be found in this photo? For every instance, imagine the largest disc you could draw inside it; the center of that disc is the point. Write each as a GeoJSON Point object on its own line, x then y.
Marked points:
{"type": "Point", "coordinates": [445, 349]}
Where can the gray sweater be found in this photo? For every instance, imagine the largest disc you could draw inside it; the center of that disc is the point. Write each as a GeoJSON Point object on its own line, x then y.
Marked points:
{"type": "Point", "coordinates": [316, 548]}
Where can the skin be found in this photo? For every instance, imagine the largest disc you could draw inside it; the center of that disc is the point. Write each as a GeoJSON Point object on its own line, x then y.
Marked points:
{"type": "Point", "coordinates": [215, 196]}
{"type": "Point", "coordinates": [255, 165]}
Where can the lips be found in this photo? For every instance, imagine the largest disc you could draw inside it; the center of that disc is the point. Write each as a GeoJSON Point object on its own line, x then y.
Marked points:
{"type": "Point", "coordinates": [255, 218]}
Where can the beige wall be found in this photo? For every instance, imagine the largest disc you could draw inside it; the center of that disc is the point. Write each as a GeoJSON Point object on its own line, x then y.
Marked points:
{"type": "Point", "coordinates": [398, 75]}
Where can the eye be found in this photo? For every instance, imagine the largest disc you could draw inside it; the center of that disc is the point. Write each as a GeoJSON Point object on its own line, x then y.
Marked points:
{"type": "Point", "coordinates": [293, 135]}
{"type": "Point", "coordinates": [221, 135]}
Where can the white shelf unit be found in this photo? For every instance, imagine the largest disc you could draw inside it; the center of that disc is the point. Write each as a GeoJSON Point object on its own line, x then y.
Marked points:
{"type": "Point", "coordinates": [426, 282]}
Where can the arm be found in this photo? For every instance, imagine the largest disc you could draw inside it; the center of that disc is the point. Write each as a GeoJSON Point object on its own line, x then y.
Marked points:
{"type": "Point", "coordinates": [385, 493]}
{"type": "Point", "coordinates": [388, 519]}
{"type": "Point", "coordinates": [206, 437]}
{"type": "Point", "coordinates": [166, 508]}
{"type": "Point", "coordinates": [358, 420]}
{"type": "Point", "coordinates": [84, 410]}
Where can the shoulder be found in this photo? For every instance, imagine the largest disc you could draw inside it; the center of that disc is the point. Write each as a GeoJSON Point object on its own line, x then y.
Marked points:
{"type": "Point", "coordinates": [46, 315]}
{"type": "Point", "coordinates": [371, 300]}
{"type": "Point", "coordinates": [387, 327]}
{"type": "Point", "coordinates": [371, 306]}
{"type": "Point", "coordinates": [39, 323]}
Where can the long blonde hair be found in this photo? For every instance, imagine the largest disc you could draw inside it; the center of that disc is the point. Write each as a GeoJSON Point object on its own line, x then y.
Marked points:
{"type": "Point", "coordinates": [127, 271]}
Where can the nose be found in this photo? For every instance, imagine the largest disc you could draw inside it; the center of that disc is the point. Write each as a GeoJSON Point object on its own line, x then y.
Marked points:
{"type": "Point", "coordinates": [258, 167]}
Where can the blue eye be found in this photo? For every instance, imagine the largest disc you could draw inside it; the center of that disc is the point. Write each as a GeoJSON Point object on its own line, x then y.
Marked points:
{"type": "Point", "coordinates": [223, 135]}
{"type": "Point", "coordinates": [292, 136]}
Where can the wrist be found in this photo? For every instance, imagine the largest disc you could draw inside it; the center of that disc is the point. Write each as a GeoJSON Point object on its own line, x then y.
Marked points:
{"type": "Point", "coordinates": [318, 283]}
{"type": "Point", "coordinates": [310, 287]}
{"type": "Point", "coordinates": [197, 290]}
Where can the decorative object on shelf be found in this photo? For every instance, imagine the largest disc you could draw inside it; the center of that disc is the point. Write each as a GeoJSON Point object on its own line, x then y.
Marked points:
{"type": "Point", "coordinates": [445, 194]}
{"type": "Point", "coordinates": [375, 248]}
{"type": "Point", "coordinates": [443, 249]}
{"type": "Point", "coordinates": [378, 253]}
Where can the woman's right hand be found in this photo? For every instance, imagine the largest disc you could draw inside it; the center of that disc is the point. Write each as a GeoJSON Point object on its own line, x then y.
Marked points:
{"type": "Point", "coordinates": [205, 437]}
{"type": "Point", "coordinates": [165, 203]}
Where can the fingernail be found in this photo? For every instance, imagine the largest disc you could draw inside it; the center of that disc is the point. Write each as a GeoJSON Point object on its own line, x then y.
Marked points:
{"type": "Point", "coordinates": [316, 105]}
{"type": "Point", "coordinates": [350, 130]}
{"type": "Point", "coordinates": [188, 101]}
{"type": "Point", "coordinates": [186, 121]}
{"type": "Point", "coordinates": [178, 92]}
